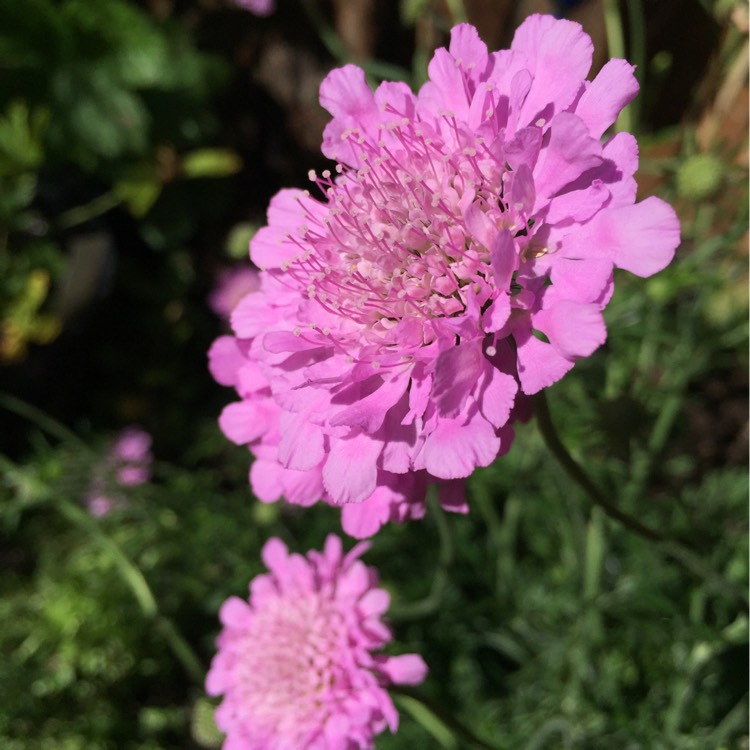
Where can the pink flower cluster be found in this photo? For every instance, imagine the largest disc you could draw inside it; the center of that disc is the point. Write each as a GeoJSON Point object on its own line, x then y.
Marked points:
{"type": "Point", "coordinates": [457, 260]}
{"type": "Point", "coordinates": [128, 464]}
{"type": "Point", "coordinates": [295, 663]}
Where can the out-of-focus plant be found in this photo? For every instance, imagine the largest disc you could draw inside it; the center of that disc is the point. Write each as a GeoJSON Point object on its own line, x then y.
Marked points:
{"type": "Point", "coordinates": [103, 98]}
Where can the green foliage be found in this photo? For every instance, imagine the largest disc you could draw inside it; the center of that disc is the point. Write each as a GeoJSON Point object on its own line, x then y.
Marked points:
{"type": "Point", "coordinates": [98, 92]}
{"type": "Point", "coordinates": [90, 64]}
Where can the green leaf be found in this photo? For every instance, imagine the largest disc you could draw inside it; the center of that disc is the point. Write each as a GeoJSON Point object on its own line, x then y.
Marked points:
{"type": "Point", "coordinates": [139, 189]}
{"type": "Point", "coordinates": [203, 725]}
{"type": "Point", "coordinates": [211, 162]}
{"type": "Point", "coordinates": [21, 133]}
{"type": "Point", "coordinates": [428, 720]}
{"type": "Point", "coordinates": [95, 117]}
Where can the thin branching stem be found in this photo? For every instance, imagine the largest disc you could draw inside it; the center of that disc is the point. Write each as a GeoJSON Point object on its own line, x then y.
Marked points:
{"type": "Point", "coordinates": [671, 548]}
{"type": "Point", "coordinates": [580, 477]}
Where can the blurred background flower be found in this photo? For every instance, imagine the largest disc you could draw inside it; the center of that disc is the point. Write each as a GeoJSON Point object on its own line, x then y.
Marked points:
{"type": "Point", "coordinates": [297, 665]}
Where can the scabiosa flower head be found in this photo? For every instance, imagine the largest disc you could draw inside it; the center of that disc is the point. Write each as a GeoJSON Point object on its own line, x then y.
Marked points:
{"type": "Point", "coordinates": [295, 663]}
{"type": "Point", "coordinates": [457, 260]}
{"type": "Point", "coordinates": [127, 464]}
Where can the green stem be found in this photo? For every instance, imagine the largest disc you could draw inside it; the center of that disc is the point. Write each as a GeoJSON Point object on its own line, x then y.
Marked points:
{"type": "Point", "coordinates": [35, 415]}
{"type": "Point", "coordinates": [637, 25]}
{"type": "Point", "coordinates": [81, 214]}
{"type": "Point", "coordinates": [139, 587]}
{"type": "Point", "coordinates": [337, 49]}
{"type": "Point", "coordinates": [684, 556]}
{"type": "Point", "coordinates": [446, 718]}
{"type": "Point", "coordinates": [579, 476]}
{"type": "Point", "coordinates": [457, 10]}
{"type": "Point", "coordinates": [616, 47]}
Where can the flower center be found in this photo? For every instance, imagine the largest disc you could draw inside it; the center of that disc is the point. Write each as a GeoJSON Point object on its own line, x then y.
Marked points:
{"type": "Point", "coordinates": [288, 668]}
{"type": "Point", "coordinates": [394, 245]}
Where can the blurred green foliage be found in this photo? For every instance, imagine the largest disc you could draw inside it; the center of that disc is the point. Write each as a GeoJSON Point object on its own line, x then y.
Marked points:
{"type": "Point", "coordinates": [108, 98]}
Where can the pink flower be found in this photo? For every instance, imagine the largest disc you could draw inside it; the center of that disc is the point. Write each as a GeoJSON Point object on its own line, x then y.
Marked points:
{"type": "Point", "coordinates": [295, 663]}
{"type": "Point", "coordinates": [259, 7]}
{"type": "Point", "coordinates": [127, 464]}
{"type": "Point", "coordinates": [458, 262]}
{"type": "Point", "coordinates": [232, 284]}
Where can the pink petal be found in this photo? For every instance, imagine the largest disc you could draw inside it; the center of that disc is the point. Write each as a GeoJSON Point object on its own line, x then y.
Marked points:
{"type": "Point", "coordinates": [523, 191]}
{"type": "Point", "coordinates": [344, 93]}
{"type": "Point", "coordinates": [559, 54]}
{"type": "Point", "coordinates": [581, 279]}
{"type": "Point", "coordinates": [456, 372]}
{"type": "Point", "coordinates": [622, 150]}
{"type": "Point", "coordinates": [577, 205]}
{"type": "Point", "coordinates": [374, 603]}
{"type": "Point", "coordinates": [539, 364]}
{"type": "Point", "coordinates": [503, 258]}
{"type": "Point", "coordinates": [250, 379]}
{"type": "Point", "coordinates": [498, 395]}
{"type": "Point", "coordinates": [253, 315]}
{"type": "Point", "coordinates": [369, 412]}
{"type": "Point", "coordinates": [265, 480]}
{"type": "Point", "coordinates": [235, 613]}
{"type": "Point", "coordinates": [610, 92]}
{"type": "Point", "coordinates": [269, 247]}
{"type": "Point", "coordinates": [575, 329]}
{"type": "Point", "coordinates": [446, 84]}
{"type": "Point", "coordinates": [245, 421]}
{"type": "Point", "coordinates": [350, 471]}
{"type": "Point", "coordinates": [641, 238]}
{"type": "Point", "coordinates": [419, 396]}
{"type": "Point", "coordinates": [275, 555]}
{"type": "Point", "coordinates": [302, 443]}
{"type": "Point", "coordinates": [524, 148]}
{"type": "Point", "coordinates": [408, 669]}
{"type": "Point", "coordinates": [456, 447]}
{"type": "Point", "coordinates": [363, 520]}
{"type": "Point", "coordinates": [452, 496]}
{"type": "Point", "coordinates": [224, 360]}
{"type": "Point", "coordinates": [497, 314]}
{"type": "Point", "coordinates": [468, 49]}
{"type": "Point", "coordinates": [571, 151]}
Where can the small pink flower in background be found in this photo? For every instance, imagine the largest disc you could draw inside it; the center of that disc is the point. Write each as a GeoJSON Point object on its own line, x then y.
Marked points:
{"type": "Point", "coordinates": [127, 464]}
{"type": "Point", "coordinates": [458, 261]}
{"type": "Point", "coordinates": [259, 7]}
{"type": "Point", "coordinates": [295, 663]}
{"type": "Point", "coordinates": [232, 284]}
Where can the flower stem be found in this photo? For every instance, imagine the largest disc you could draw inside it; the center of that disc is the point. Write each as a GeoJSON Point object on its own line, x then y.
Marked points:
{"type": "Point", "coordinates": [35, 415]}
{"type": "Point", "coordinates": [337, 49]}
{"type": "Point", "coordinates": [616, 48]}
{"type": "Point", "coordinates": [81, 214]}
{"type": "Point", "coordinates": [580, 477]}
{"type": "Point", "coordinates": [678, 552]}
